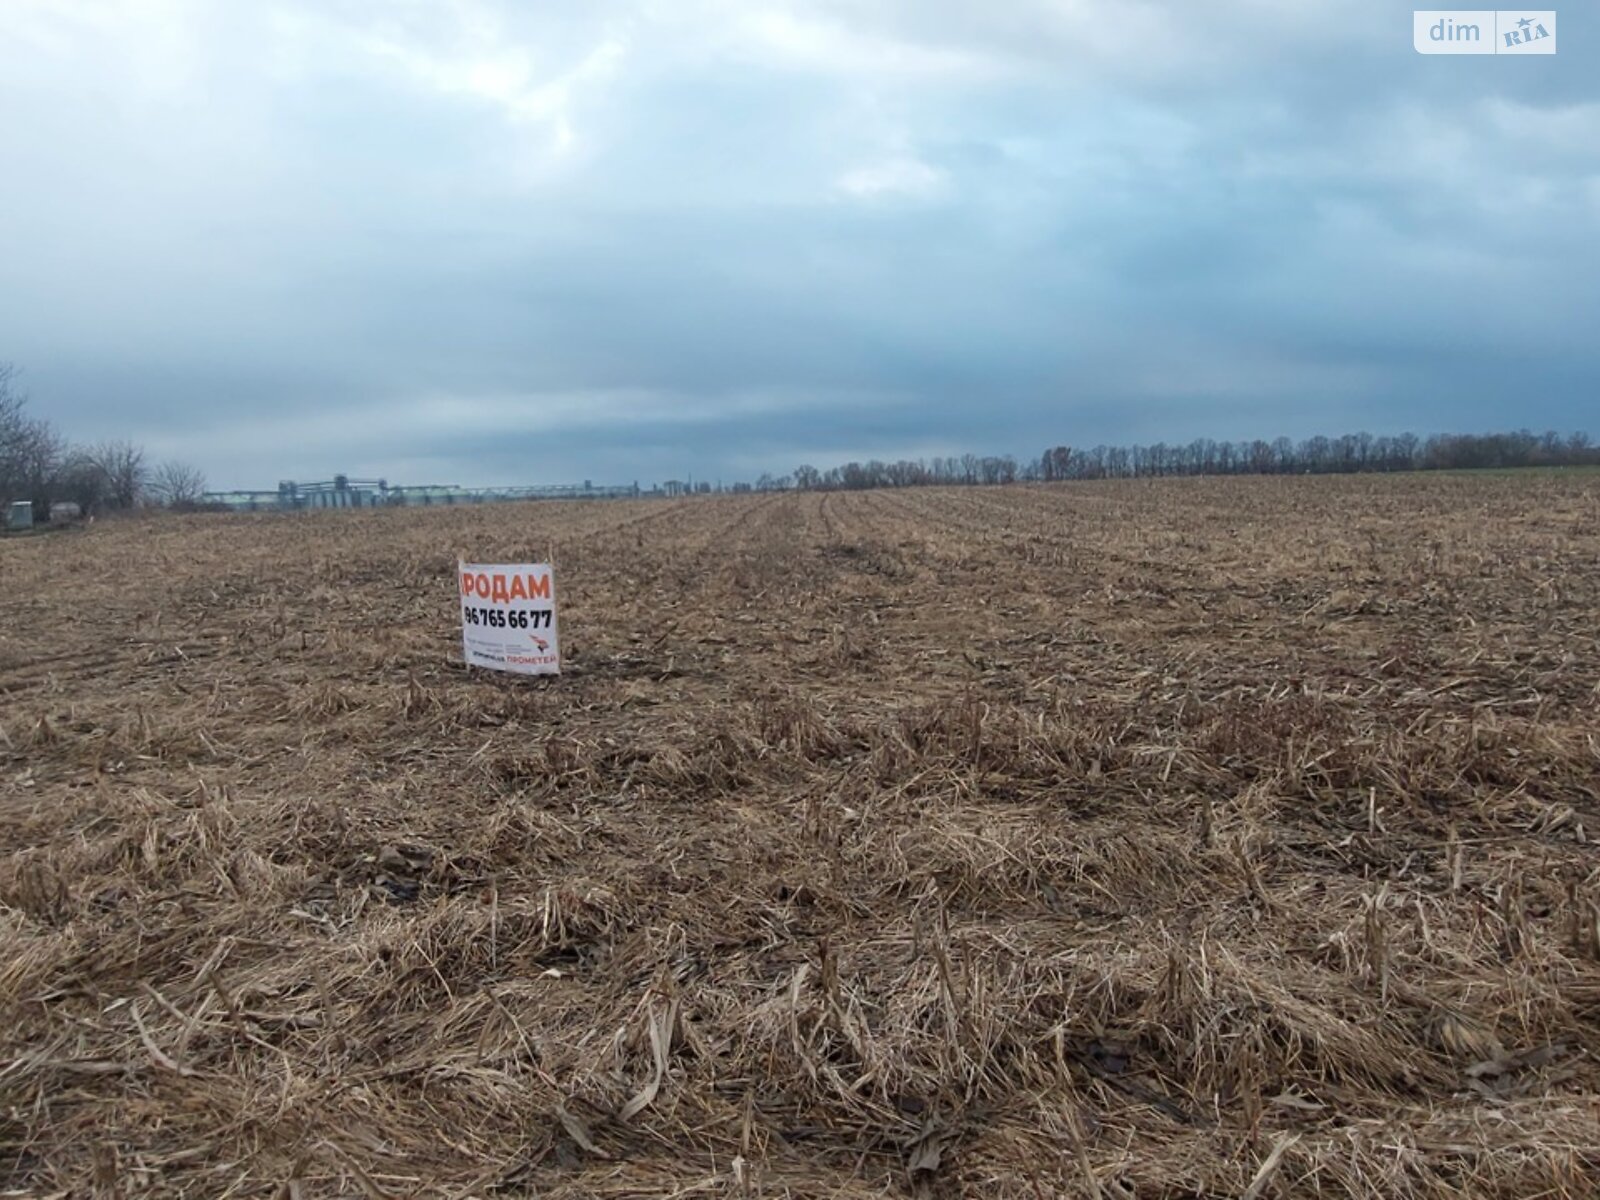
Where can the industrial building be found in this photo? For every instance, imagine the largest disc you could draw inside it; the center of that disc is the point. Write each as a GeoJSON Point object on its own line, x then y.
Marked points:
{"type": "Point", "coordinates": [344, 492]}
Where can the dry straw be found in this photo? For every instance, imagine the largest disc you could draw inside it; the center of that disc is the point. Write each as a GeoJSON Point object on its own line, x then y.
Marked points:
{"type": "Point", "coordinates": [1206, 838]}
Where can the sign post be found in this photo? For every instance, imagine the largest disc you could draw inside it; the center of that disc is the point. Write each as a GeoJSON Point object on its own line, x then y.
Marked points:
{"type": "Point", "coordinates": [508, 617]}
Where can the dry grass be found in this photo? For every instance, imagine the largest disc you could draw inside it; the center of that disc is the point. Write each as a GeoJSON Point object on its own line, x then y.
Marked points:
{"type": "Point", "coordinates": [1221, 838]}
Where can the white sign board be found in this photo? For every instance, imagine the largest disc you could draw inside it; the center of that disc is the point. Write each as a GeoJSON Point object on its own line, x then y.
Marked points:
{"type": "Point", "coordinates": [508, 617]}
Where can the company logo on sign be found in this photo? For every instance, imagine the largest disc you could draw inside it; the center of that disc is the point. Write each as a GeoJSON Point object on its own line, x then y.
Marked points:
{"type": "Point", "coordinates": [1484, 31]}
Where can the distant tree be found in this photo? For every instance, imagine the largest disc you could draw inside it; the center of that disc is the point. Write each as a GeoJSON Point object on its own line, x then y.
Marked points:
{"type": "Point", "coordinates": [1349, 453]}
{"type": "Point", "coordinates": [1405, 451]}
{"type": "Point", "coordinates": [16, 432]}
{"type": "Point", "coordinates": [30, 450]}
{"type": "Point", "coordinates": [177, 484]}
{"type": "Point", "coordinates": [83, 481]}
{"type": "Point", "coordinates": [126, 475]}
{"type": "Point", "coordinates": [41, 469]}
{"type": "Point", "coordinates": [1056, 463]}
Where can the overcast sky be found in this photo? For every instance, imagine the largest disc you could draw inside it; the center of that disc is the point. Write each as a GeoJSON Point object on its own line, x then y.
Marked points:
{"type": "Point", "coordinates": [514, 242]}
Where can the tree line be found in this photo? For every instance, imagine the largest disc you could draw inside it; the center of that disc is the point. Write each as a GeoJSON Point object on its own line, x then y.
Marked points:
{"type": "Point", "coordinates": [39, 465]}
{"type": "Point", "coordinates": [1350, 454]}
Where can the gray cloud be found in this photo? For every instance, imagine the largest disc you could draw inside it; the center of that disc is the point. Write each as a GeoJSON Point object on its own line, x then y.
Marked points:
{"type": "Point", "coordinates": [480, 243]}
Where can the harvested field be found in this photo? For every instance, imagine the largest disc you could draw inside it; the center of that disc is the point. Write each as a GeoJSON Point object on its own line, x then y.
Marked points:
{"type": "Point", "coordinates": [1195, 837]}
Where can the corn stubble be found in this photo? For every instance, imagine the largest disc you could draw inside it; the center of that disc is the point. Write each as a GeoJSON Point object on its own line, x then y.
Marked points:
{"type": "Point", "coordinates": [1212, 838]}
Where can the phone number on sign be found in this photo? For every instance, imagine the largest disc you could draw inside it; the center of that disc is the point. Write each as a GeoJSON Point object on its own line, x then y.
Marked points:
{"type": "Point", "coordinates": [500, 618]}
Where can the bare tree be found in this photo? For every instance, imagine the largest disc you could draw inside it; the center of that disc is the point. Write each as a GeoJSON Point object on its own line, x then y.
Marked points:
{"type": "Point", "coordinates": [30, 450]}
{"type": "Point", "coordinates": [41, 468]}
{"type": "Point", "coordinates": [83, 481]}
{"type": "Point", "coordinates": [16, 431]}
{"type": "Point", "coordinates": [177, 484]}
{"type": "Point", "coordinates": [125, 472]}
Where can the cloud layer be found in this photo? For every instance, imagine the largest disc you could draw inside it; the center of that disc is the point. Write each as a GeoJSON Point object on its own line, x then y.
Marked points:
{"type": "Point", "coordinates": [502, 243]}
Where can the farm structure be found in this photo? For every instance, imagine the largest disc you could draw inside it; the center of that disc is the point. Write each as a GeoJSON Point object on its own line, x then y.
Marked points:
{"type": "Point", "coordinates": [344, 492]}
{"type": "Point", "coordinates": [1182, 837]}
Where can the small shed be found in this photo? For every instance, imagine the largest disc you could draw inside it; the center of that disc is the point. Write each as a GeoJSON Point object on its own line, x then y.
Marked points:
{"type": "Point", "coordinates": [21, 515]}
